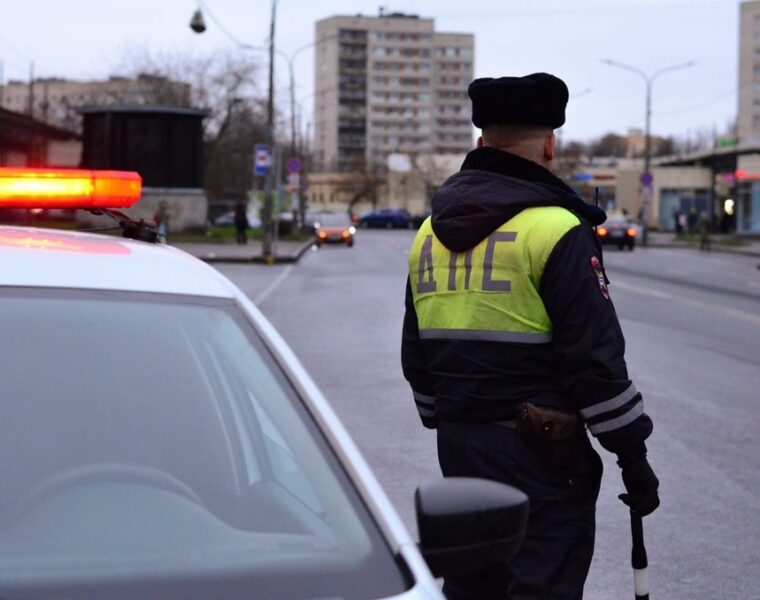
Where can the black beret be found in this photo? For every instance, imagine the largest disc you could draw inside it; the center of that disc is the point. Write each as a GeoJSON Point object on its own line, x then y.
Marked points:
{"type": "Point", "coordinates": [537, 99]}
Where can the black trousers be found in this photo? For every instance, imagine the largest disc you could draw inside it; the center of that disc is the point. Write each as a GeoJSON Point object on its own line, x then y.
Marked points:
{"type": "Point", "coordinates": [554, 560]}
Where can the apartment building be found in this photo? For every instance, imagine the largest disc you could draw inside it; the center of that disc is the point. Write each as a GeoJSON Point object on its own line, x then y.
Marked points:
{"type": "Point", "coordinates": [748, 115]}
{"type": "Point", "coordinates": [389, 84]}
{"type": "Point", "coordinates": [57, 101]}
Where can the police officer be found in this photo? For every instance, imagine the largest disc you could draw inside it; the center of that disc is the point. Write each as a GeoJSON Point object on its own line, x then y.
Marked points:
{"type": "Point", "coordinates": [512, 346]}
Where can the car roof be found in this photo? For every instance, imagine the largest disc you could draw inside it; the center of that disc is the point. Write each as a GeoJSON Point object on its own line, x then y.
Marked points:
{"type": "Point", "coordinates": [34, 257]}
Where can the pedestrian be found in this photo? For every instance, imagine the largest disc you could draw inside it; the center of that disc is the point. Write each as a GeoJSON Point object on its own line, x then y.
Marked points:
{"type": "Point", "coordinates": [682, 223]}
{"type": "Point", "coordinates": [692, 219]}
{"type": "Point", "coordinates": [677, 221]}
{"type": "Point", "coordinates": [241, 223]}
{"type": "Point", "coordinates": [161, 219]}
{"type": "Point", "coordinates": [704, 232]}
{"type": "Point", "coordinates": [512, 347]}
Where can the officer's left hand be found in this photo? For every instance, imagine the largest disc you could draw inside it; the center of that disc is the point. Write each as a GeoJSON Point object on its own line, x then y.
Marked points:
{"type": "Point", "coordinates": [641, 484]}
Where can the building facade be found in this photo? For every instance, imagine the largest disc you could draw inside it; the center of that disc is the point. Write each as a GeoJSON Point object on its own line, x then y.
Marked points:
{"type": "Point", "coordinates": [58, 101]}
{"type": "Point", "coordinates": [26, 142]}
{"type": "Point", "coordinates": [748, 115]}
{"type": "Point", "coordinates": [389, 84]}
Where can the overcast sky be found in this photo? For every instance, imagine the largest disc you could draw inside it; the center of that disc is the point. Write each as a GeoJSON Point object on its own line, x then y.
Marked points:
{"type": "Point", "coordinates": [90, 39]}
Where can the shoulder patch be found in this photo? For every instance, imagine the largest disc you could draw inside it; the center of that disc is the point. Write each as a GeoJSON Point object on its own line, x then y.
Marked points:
{"type": "Point", "coordinates": [596, 267]}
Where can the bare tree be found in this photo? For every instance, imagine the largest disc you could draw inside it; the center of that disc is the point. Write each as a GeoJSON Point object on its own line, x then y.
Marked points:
{"type": "Point", "coordinates": [362, 181]}
{"type": "Point", "coordinates": [216, 81]}
{"type": "Point", "coordinates": [570, 156]}
{"type": "Point", "coordinates": [610, 144]}
{"type": "Point", "coordinates": [224, 83]}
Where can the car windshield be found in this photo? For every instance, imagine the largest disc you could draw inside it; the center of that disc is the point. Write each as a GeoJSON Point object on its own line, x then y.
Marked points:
{"type": "Point", "coordinates": [617, 222]}
{"type": "Point", "coordinates": [150, 442]}
{"type": "Point", "coordinates": [335, 220]}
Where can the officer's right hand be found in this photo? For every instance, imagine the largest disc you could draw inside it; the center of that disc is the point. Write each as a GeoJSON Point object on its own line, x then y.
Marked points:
{"type": "Point", "coordinates": [641, 484]}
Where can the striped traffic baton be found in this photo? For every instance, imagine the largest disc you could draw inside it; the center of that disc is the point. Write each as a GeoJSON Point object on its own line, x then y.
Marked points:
{"type": "Point", "coordinates": [639, 558]}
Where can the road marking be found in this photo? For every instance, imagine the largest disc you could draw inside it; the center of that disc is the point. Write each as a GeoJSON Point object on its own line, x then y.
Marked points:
{"type": "Point", "coordinates": [272, 286]}
{"type": "Point", "coordinates": [642, 290]}
{"type": "Point", "coordinates": [729, 312]}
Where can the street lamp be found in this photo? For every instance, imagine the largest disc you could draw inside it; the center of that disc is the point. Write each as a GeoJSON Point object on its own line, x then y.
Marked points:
{"type": "Point", "coordinates": [646, 178]}
{"type": "Point", "coordinates": [197, 25]}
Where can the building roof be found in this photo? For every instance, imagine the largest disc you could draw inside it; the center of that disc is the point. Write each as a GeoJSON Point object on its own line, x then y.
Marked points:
{"type": "Point", "coordinates": [10, 119]}
{"type": "Point", "coordinates": [720, 159]}
{"type": "Point", "coordinates": [145, 108]}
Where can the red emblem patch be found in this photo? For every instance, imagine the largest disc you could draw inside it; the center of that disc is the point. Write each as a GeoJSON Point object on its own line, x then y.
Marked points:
{"type": "Point", "coordinates": [596, 266]}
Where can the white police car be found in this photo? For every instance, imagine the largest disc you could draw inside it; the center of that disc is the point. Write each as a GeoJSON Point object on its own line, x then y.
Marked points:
{"type": "Point", "coordinates": [159, 440]}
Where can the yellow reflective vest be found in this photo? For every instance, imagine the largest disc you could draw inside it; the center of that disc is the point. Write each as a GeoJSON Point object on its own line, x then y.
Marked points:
{"type": "Point", "coordinates": [490, 292]}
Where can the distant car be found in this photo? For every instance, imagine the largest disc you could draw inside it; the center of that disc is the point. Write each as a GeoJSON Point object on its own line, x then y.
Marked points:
{"type": "Point", "coordinates": [228, 218]}
{"type": "Point", "coordinates": [618, 231]}
{"type": "Point", "coordinates": [334, 228]}
{"type": "Point", "coordinates": [389, 218]}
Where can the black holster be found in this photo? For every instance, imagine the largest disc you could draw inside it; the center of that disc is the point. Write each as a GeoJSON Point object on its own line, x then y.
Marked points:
{"type": "Point", "coordinates": [552, 432]}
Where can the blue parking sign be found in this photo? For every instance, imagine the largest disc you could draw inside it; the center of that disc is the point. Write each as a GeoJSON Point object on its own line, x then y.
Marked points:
{"type": "Point", "coordinates": [261, 159]}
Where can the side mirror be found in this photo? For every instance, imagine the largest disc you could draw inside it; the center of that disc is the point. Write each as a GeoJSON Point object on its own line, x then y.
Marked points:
{"type": "Point", "coordinates": [466, 523]}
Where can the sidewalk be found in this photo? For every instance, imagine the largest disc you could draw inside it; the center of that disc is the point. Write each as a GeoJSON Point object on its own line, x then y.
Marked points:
{"type": "Point", "coordinates": [283, 251]}
{"type": "Point", "coordinates": [666, 239]}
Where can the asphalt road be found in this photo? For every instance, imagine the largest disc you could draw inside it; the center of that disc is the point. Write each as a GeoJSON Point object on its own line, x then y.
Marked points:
{"type": "Point", "coordinates": [692, 323]}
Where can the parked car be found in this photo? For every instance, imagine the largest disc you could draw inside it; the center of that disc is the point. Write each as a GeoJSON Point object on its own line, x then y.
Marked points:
{"type": "Point", "coordinates": [618, 231]}
{"type": "Point", "coordinates": [389, 218]}
{"type": "Point", "coordinates": [334, 228]}
{"type": "Point", "coordinates": [197, 458]}
{"type": "Point", "coordinates": [228, 219]}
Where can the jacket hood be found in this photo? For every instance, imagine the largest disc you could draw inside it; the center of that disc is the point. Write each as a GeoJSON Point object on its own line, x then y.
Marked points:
{"type": "Point", "coordinates": [491, 188]}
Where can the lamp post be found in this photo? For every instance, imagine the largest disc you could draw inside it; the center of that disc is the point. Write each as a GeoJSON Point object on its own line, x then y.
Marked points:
{"type": "Point", "coordinates": [646, 177]}
{"type": "Point", "coordinates": [198, 26]}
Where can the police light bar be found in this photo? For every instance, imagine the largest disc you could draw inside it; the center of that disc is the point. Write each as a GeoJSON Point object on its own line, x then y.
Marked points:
{"type": "Point", "coordinates": [68, 188]}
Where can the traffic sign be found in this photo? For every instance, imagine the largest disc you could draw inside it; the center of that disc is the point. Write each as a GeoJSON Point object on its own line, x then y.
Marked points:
{"type": "Point", "coordinates": [262, 159]}
{"type": "Point", "coordinates": [294, 165]}
{"type": "Point", "coordinates": [646, 179]}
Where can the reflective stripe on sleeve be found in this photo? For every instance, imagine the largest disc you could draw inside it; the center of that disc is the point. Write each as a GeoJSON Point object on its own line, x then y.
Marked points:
{"type": "Point", "coordinates": [425, 412]}
{"type": "Point", "coordinates": [486, 335]}
{"type": "Point", "coordinates": [423, 399]}
{"type": "Point", "coordinates": [627, 417]}
{"type": "Point", "coordinates": [611, 404]}
{"type": "Point", "coordinates": [425, 404]}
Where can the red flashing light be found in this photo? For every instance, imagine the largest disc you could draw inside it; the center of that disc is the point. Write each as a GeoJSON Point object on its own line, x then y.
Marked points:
{"type": "Point", "coordinates": [68, 188]}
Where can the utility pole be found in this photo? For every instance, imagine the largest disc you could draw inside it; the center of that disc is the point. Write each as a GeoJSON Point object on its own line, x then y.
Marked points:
{"type": "Point", "coordinates": [30, 107]}
{"type": "Point", "coordinates": [198, 25]}
{"type": "Point", "coordinates": [266, 242]}
{"type": "Point", "coordinates": [646, 175]}
{"type": "Point", "coordinates": [2, 83]}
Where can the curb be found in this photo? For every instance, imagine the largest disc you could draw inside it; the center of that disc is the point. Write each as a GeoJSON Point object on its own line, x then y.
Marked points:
{"type": "Point", "coordinates": [713, 248]}
{"type": "Point", "coordinates": [258, 259]}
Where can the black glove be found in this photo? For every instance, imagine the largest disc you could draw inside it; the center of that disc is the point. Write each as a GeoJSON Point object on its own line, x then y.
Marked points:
{"type": "Point", "coordinates": [641, 484]}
